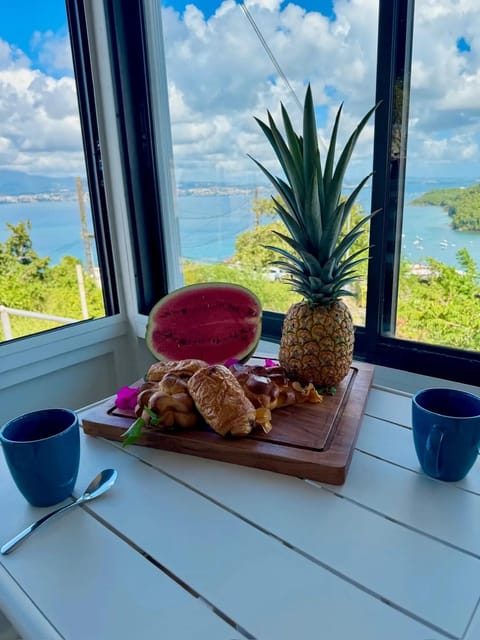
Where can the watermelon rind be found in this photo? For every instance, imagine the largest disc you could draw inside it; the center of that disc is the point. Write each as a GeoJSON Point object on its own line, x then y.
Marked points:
{"type": "Point", "coordinates": [215, 322]}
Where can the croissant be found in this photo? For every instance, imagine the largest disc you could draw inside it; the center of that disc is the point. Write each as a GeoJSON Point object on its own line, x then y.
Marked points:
{"type": "Point", "coordinates": [221, 401]}
{"type": "Point", "coordinates": [181, 368]}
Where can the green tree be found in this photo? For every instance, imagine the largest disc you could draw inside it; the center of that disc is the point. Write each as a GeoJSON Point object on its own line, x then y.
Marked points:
{"type": "Point", "coordinates": [263, 207]}
{"type": "Point", "coordinates": [251, 246]}
{"type": "Point", "coordinates": [22, 271]}
{"type": "Point", "coordinates": [441, 306]}
{"type": "Point", "coordinates": [274, 296]}
{"type": "Point", "coordinates": [63, 291]}
{"type": "Point", "coordinates": [29, 283]}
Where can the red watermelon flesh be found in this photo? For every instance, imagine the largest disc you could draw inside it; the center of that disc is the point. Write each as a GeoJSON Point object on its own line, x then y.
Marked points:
{"type": "Point", "coordinates": [214, 322]}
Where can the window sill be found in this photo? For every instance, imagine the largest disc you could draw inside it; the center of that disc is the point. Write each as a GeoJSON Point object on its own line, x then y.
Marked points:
{"type": "Point", "coordinates": [30, 357]}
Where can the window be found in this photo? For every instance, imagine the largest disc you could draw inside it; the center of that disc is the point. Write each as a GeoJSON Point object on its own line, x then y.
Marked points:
{"type": "Point", "coordinates": [440, 246]}
{"type": "Point", "coordinates": [56, 262]}
{"type": "Point", "coordinates": [227, 63]}
{"type": "Point", "coordinates": [212, 131]}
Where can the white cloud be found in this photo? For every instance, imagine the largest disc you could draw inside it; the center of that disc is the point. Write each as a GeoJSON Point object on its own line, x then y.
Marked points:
{"type": "Point", "coordinates": [220, 77]}
{"type": "Point", "coordinates": [445, 109]}
{"type": "Point", "coordinates": [53, 50]}
{"type": "Point", "coordinates": [221, 70]}
{"type": "Point", "coordinates": [440, 152]}
{"type": "Point", "coordinates": [39, 122]}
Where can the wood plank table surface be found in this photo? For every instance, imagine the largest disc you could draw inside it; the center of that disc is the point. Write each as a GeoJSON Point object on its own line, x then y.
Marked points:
{"type": "Point", "coordinates": [194, 548]}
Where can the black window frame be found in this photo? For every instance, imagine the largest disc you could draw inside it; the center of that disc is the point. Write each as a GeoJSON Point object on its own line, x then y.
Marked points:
{"type": "Point", "coordinates": [375, 342]}
{"type": "Point", "coordinates": [127, 43]}
{"type": "Point", "coordinates": [77, 25]}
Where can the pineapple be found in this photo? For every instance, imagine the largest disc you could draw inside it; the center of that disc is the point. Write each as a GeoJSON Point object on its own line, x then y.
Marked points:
{"type": "Point", "coordinates": [318, 333]}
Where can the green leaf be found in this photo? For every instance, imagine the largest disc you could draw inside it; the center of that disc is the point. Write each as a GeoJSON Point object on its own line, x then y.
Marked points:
{"type": "Point", "coordinates": [345, 245]}
{"type": "Point", "coordinates": [134, 432]}
{"type": "Point", "coordinates": [350, 201]}
{"type": "Point", "coordinates": [296, 230]}
{"type": "Point", "coordinates": [313, 222]}
{"type": "Point", "coordinates": [331, 233]}
{"type": "Point", "coordinates": [287, 161]}
{"type": "Point", "coordinates": [290, 257]}
{"type": "Point", "coordinates": [309, 260]}
{"type": "Point", "coordinates": [155, 420]}
{"type": "Point", "coordinates": [294, 141]}
{"type": "Point", "coordinates": [285, 158]}
{"type": "Point", "coordinates": [285, 192]}
{"type": "Point", "coordinates": [329, 163]}
{"type": "Point", "coordinates": [312, 170]}
{"type": "Point", "coordinates": [337, 180]}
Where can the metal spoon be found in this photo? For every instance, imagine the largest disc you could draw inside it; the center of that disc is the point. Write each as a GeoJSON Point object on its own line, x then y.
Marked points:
{"type": "Point", "coordinates": [101, 483]}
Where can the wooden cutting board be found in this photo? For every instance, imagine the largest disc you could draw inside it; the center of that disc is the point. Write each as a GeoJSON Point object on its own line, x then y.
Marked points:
{"type": "Point", "coordinates": [314, 441]}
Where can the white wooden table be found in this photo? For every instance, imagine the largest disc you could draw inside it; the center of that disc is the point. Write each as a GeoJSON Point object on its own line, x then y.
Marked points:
{"type": "Point", "coordinates": [189, 548]}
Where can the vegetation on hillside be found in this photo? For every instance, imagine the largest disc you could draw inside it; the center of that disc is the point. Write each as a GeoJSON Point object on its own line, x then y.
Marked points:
{"type": "Point", "coordinates": [439, 307]}
{"type": "Point", "coordinates": [463, 205]}
{"type": "Point", "coordinates": [29, 283]}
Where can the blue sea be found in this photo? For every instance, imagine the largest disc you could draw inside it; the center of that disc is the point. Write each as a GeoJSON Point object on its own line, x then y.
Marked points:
{"type": "Point", "coordinates": [210, 223]}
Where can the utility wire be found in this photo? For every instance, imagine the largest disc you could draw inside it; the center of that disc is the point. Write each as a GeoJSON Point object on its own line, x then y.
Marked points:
{"type": "Point", "coordinates": [270, 53]}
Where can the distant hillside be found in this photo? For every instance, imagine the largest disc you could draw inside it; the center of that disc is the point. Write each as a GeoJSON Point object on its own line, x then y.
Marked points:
{"type": "Point", "coordinates": [16, 183]}
{"type": "Point", "coordinates": [463, 205]}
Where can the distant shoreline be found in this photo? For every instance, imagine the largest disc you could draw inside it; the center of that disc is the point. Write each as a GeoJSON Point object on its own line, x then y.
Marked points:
{"type": "Point", "coordinates": [25, 198]}
{"type": "Point", "coordinates": [461, 203]}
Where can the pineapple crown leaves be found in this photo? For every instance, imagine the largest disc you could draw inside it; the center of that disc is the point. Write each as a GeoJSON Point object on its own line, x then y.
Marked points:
{"type": "Point", "coordinates": [311, 206]}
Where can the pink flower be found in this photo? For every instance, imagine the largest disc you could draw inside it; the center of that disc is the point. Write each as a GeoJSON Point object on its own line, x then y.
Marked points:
{"type": "Point", "coordinates": [270, 363]}
{"type": "Point", "coordinates": [126, 398]}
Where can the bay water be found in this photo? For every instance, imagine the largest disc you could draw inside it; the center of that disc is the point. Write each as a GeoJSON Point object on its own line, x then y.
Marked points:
{"type": "Point", "coordinates": [210, 222]}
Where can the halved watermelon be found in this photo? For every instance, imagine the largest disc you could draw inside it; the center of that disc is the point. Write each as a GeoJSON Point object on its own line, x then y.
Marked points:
{"type": "Point", "coordinates": [214, 322]}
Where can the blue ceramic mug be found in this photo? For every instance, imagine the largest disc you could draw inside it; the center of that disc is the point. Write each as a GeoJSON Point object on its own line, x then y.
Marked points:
{"type": "Point", "coordinates": [446, 432]}
{"type": "Point", "coordinates": [42, 450]}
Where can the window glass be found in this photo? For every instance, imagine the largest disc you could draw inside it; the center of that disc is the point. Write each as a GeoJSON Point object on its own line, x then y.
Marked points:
{"type": "Point", "coordinates": [49, 273]}
{"type": "Point", "coordinates": [439, 283]}
{"type": "Point", "coordinates": [229, 62]}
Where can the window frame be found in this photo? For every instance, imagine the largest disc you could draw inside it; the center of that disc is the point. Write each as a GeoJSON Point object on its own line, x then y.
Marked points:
{"type": "Point", "coordinates": [374, 342]}
{"type": "Point", "coordinates": [82, 65]}
{"type": "Point", "coordinates": [76, 12]}
{"type": "Point", "coordinates": [126, 29]}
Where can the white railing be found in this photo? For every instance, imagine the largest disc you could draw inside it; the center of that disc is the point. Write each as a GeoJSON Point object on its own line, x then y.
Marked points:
{"type": "Point", "coordinates": [6, 312]}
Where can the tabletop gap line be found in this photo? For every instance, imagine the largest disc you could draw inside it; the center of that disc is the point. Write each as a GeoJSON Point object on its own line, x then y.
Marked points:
{"type": "Point", "coordinates": [181, 583]}
{"type": "Point", "coordinates": [396, 424]}
{"type": "Point", "coordinates": [418, 471]}
{"type": "Point", "coordinates": [375, 595]}
{"type": "Point", "coordinates": [306, 555]}
{"type": "Point", "coordinates": [446, 543]}
{"type": "Point", "coordinates": [34, 604]}
{"type": "Point", "coordinates": [329, 488]}
{"type": "Point", "coordinates": [469, 623]}
{"type": "Point", "coordinates": [396, 392]}
{"type": "Point", "coordinates": [392, 462]}
{"type": "Point", "coordinates": [295, 549]}
{"type": "Point", "coordinates": [377, 457]}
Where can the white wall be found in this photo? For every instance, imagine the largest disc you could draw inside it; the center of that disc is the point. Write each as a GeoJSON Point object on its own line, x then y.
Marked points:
{"type": "Point", "coordinates": [70, 367]}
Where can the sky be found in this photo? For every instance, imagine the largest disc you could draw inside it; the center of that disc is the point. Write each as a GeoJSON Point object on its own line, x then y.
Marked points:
{"type": "Point", "coordinates": [220, 77]}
